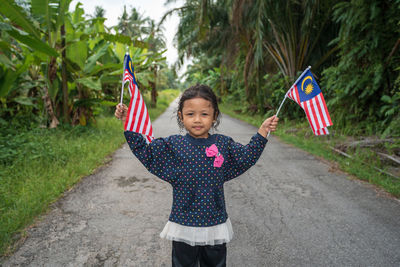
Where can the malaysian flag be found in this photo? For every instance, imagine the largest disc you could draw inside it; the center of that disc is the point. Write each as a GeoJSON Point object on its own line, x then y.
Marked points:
{"type": "Point", "coordinates": [308, 95]}
{"type": "Point", "coordinates": [138, 119]}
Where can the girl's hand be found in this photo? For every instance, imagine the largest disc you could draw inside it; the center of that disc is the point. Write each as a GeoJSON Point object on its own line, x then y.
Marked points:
{"type": "Point", "coordinates": [269, 125]}
{"type": "Point", "coordinates": [121, 112]}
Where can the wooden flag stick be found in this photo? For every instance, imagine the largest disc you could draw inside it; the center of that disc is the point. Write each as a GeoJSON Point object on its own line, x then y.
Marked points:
{"type": "Point", "coordinates": [122, 80]}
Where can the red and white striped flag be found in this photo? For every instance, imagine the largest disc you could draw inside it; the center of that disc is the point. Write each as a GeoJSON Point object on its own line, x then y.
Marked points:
{"type": "Point", "coordinates": [308, 95]}
{"type": "Point", "coordinates": [138, 119]}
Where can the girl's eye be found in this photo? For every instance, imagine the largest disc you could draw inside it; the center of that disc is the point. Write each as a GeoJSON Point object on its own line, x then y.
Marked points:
{"type": "Point", "coordinates": [205, 114]}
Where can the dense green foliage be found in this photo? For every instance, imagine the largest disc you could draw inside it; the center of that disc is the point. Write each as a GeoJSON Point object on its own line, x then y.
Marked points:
{"type": "Point", "coordinates": [60, 65]}
{"type": "Point", "coordinates": [253, 50]}
{"type": "Point", "coordinates": [364, 80]}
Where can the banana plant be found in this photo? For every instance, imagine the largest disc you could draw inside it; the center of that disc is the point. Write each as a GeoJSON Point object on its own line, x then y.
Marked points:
{"type": "Point", "coordinates": [26, 34]}
{"type": "Point", "coordinates": [73, 63]}
{"type": "Point", "coordinates": [94, 62]}
{"type": "Point", "coordinates": [16, 25]}
{"type": "Point", "coordinates": [51, 16]}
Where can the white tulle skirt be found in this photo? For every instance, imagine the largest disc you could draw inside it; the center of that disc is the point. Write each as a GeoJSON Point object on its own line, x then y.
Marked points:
{"type": "Point", "coordinates": [198, 236]}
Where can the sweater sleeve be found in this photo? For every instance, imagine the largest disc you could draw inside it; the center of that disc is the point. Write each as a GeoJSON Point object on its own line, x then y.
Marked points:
{"type": "Point", "coordinates": [157, 156]}
{"type": "Point", "coordinates": [241, 157]}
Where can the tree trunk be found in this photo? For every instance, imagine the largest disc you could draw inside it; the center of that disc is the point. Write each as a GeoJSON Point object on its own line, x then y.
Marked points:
{"type": "Point", "coordinates": [49, 108]}
{"type": "Point", "coordinates": [154, 89]}
{"type": "Point", "coordinates": [246, 70]}
{"type": "Point", "coordinates": [64, 75]}
{"type": "Point", "coordinates": [81, 114]}
{"type": "Point", "coordinates": [51, 75]}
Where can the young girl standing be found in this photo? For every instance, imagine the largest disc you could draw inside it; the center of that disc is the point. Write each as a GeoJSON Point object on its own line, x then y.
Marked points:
{"type": "Point", "coordinates": [197, 165]}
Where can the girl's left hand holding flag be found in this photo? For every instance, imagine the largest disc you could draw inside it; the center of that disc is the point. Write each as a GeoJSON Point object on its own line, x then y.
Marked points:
{"type": "Point", "coordinates": [269, 125]}
{"type": "Point", "coordinates": [121, 111]}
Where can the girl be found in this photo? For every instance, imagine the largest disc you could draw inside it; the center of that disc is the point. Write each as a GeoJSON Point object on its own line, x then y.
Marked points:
{"type": "Point", "coordinates": [197, 165]}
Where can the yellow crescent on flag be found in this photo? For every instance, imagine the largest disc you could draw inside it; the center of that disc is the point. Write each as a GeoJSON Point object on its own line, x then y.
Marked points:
{"type": "Point", "coordinates": [309, 87]}
{"type": "Point", "coordinates": [130, 67]}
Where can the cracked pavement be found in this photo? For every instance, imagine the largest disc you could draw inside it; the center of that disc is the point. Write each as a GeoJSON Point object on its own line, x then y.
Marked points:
{"type": "Point", "coordinates": [290, 209]}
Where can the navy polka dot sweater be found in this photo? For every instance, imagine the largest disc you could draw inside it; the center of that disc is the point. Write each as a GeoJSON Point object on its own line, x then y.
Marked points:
{"type": "Point", "coordinates": [198, 186]}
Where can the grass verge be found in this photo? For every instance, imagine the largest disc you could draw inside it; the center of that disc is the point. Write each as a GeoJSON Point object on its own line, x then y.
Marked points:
{"type": "Point", "coordinates": [43, 163]}
{"type": "Point", "coordinates": [300, 135]}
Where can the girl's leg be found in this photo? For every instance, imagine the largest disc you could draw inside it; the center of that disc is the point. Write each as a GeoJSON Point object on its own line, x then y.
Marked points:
{"type": "Point", "coordinates": [214, 256]}
{"type": "Point", "coordinates": [184, 255]}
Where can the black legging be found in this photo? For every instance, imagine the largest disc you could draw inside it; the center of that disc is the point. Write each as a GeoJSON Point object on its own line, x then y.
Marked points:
{"type": "Point", "coordinates": [184, 255]}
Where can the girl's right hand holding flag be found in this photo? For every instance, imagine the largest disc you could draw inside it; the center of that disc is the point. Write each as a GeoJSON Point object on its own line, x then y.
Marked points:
{"type": "Point", "coordinates": [121, 111]}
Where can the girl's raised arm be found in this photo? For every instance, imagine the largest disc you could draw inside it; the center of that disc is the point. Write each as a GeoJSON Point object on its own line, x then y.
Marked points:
{"type": "Point", "coordinates": [157, 156]}
{"type": "Point", "coordinates": [242, 157]}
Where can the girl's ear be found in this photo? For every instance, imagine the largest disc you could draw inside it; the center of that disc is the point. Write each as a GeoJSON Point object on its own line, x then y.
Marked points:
{"type": "Point", "coordinates": [180, 115]}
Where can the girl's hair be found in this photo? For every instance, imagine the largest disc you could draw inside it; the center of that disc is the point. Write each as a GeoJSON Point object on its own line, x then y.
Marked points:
{"type": "Point", "coordinates": [202, 91]}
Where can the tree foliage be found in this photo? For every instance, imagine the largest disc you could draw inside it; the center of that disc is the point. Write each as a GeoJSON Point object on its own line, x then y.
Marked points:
{"type": "Point", "coordinates": [253, 50]}
{"type": "Point", "coordinates": [363, 80]}
{"type": "Point", "coordinates": [58, 64]}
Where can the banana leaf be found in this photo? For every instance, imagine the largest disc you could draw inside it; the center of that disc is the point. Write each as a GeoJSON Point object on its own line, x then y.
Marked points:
{"type": "Point", "coordinates": [77, 53]}
{"type": "Point", "coordinates": [5, 61]}
{"type": "Point", "coordinates": [91, 62]}
{"type": "Point", "coordinates": [26, 101]}
{"type": "Point", "coordinates": [7, 80]}
{"type": "Point", "coordinates": [108, 103]}
{"type": "Point", "coordinates": [116, 38]}
{"type": "Point", "coordinates": [108, 66]}
{"type": "Point", "coordinates": [111, 79]}
{"type": "Point", "coordinates": [90, 83]}
{"type": "Point", "coordinates": [30, 41]}
{"type": "Point", "coordinates": [18, 16]}
{"type": "Point", "coordinates": [4, 46]}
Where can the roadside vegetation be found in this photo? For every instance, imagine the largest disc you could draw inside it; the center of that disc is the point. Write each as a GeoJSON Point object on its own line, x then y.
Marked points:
{"type": "Point", "coordinates": [38, 164]}
{"type": "Point", "coordinates": [362, 157]}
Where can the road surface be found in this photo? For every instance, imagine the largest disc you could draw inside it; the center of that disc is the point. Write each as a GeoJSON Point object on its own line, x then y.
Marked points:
{"type": "Point", "coordinates": [290, 209]}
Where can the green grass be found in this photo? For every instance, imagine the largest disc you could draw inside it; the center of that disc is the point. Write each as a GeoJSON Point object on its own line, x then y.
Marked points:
{"type": "Point", "coordinates": [300, 135]}
{"type": "Point", "coordinates": [38, 165]}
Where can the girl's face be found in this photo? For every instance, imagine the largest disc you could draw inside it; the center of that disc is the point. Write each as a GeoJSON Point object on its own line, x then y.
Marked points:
{"type": "Point", "coordinates": [197, 116]}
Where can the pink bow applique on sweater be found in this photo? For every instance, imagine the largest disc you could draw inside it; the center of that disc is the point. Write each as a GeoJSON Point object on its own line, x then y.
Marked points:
{"type": "Point", "coordinates": [213, 151]}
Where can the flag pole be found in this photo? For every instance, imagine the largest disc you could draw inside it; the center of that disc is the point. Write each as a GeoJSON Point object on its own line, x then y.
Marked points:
{"type": "Point", "coordinates": [298, 79]}
{"type": "Point", "coordinates": [122, 80]}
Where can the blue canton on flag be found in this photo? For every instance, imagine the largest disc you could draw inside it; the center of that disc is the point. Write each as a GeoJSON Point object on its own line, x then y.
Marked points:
{"type": "Point", "coordinates": [129, 72]}
{"type": "Point", "coordinates": [308, 87]}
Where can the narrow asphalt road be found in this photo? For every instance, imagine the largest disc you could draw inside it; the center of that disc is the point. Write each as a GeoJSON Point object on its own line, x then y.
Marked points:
{"type": "Point", "coordinates": [290, 209]}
